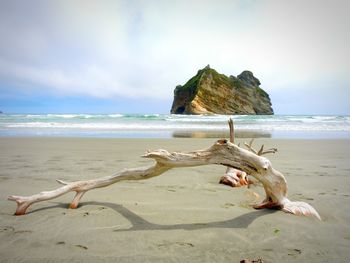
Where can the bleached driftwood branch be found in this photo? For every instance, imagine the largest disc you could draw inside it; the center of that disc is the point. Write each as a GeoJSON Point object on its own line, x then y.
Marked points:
{"type": "Point", "coordinates": [222, 153]}
{"type": "Point", "coordinates": [237, 178]}
{"type": "Point", "coordinates": [261, 150]}
{"type": "Point", "coordinates": [232, 176]}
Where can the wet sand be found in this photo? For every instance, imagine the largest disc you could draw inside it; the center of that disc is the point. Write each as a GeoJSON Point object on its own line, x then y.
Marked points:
{"type": "Point", "coordinates": [183, 215]}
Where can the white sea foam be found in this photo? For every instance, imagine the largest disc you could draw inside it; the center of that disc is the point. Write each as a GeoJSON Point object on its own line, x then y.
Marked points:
{"type": "Point", "coordinates": [115, 115]}
{"type": "Point", "coordinates": [110, 126]}
{"type": "Point", "coordinates": [132, 123]}
{"type": "Point", "coordinates": [65, 116]}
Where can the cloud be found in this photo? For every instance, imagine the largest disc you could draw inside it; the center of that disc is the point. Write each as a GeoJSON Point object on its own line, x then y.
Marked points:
{"type": "Point", "coordinates": [145, 48]}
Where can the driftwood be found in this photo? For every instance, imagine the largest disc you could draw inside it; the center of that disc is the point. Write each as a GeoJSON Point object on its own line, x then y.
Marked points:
{"type": "Point", "coordinates": [234, 177]}
{"type": "Point", "coordinates": [222, 152]}
{"type": "Point", "coordinates": [237, 178]}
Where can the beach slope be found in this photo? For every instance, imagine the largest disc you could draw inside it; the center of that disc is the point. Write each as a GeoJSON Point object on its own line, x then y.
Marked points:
{"type": "Point", "coordinates": [182, 216]}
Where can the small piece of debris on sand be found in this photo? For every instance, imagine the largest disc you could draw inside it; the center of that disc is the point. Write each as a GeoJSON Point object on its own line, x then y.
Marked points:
{"type": "Point", "coordinates": [252, 261]}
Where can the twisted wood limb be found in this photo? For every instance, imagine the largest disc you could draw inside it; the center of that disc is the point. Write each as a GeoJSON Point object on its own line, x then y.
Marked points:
{"type": "Point", "coordinates": [232, 131]}
{"type": "Point", "coordinates": [221, 152]}
{"type": "Point", "coordinates": [232, 176]}
{"type": "Point", "coordinates": [261, 150]}
{"type": "Point", "coordinates": [81, 187]}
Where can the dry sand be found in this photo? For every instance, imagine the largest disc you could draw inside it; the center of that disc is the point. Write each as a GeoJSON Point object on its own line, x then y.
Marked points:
{"type": "Point", "coordinates": [182, 216]}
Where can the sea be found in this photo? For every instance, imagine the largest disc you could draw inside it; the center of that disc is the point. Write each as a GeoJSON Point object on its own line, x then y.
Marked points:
{"type": "Point", "coordinates": [174, 126]}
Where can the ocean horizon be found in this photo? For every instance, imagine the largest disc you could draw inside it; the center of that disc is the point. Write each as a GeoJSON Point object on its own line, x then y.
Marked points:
{"type": "Point", "coordinates": [170, 126]}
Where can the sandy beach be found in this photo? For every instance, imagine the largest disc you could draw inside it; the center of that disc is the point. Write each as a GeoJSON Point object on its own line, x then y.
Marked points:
{"type": "Point", "coordinates": [183, 215]}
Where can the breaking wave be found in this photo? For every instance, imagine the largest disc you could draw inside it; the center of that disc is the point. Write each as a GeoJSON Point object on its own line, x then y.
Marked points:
{"type": "Point", "coordinates": [135, 123]}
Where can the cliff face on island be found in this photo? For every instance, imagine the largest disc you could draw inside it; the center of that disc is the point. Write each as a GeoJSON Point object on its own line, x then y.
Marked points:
{"type": "Point", "coordinates": [210, 92]}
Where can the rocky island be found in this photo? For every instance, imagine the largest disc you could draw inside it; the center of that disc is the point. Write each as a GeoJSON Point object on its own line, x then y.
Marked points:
{"type": "Point", "coordinates": [210, 92]}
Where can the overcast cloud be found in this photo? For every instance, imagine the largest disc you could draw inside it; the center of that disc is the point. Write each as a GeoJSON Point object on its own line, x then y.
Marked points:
{"type": "Point", "coordinates": [142, 49]}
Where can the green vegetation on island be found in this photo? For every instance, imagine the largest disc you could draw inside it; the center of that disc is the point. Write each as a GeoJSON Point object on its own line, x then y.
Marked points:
{"type": "Point", "coordinates": [210, 92]}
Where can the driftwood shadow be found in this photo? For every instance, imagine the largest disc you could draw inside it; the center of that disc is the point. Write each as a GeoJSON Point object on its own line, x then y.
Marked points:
{"type": "Point", "coordinates": [138, 223]}
{"type": "Point", "coordinates": [58, 205]}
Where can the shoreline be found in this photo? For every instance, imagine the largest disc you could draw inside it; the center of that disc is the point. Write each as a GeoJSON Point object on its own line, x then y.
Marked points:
{"type": "Point", "coordinates": [239, 134]}
{"type": "Point", "coordinates": [181, 216]}
{"type": "Point", "coordinates": [174, 126]}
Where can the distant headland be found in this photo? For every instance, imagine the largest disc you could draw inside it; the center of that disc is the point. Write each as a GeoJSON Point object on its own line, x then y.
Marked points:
{"type": "Point", "coordinates": [210, 92]}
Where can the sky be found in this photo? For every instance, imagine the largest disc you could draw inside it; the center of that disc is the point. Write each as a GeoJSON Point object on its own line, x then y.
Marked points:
{"type": "Point", "coordinates": [127, 56]}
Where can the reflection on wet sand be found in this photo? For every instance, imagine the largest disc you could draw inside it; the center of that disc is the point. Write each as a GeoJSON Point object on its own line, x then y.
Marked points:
{"type": "Point", "coordinates": [218, 134]}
